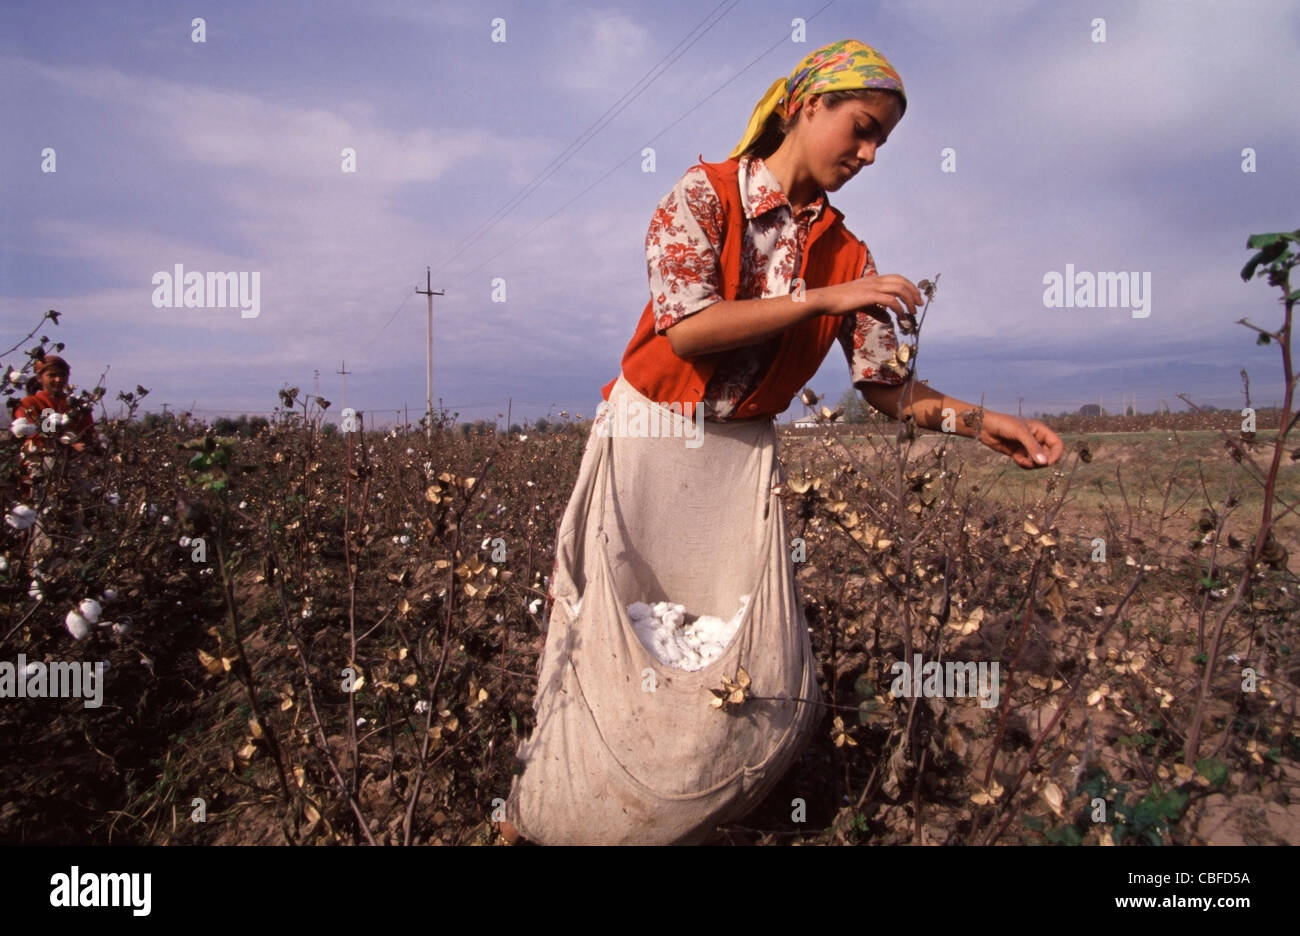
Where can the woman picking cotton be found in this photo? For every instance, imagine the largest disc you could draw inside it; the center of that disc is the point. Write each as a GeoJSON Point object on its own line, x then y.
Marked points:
{"type": "Point", "coordinates": [48, 420]}
{"type": "Point", "coordinates": [753, 276]}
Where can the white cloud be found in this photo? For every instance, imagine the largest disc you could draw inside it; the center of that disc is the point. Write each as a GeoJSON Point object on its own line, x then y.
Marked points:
{"type": "Point", "coordinates": [604, 51]}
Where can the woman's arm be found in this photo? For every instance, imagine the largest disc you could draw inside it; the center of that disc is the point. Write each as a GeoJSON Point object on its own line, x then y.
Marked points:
{"type": "Point", "coordinates": [923, 404]}
{"type": "Point", "coordinates": [735, 324]}
{"type": "Point", "coordinates": [1028, 442]}
{"type": "Point", "coordinates": [727, 325]}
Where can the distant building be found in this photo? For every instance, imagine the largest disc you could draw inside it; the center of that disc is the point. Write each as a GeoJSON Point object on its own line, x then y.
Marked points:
{"type": "Point", "coordinates": [1090, 409]}
{"type": "Point", "coordinates": [805, 422]}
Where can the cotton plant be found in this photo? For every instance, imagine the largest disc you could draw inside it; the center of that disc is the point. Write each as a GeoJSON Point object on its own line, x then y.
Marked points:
{"type": "Point", "coordinates": [20, 517]}
{"type": "Point", "coordinates": [81, 618]}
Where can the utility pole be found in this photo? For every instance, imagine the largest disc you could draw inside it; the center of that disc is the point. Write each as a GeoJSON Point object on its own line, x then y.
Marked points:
{"type": "Point", "coordinates": [510, 401]}
{"type": "Point", "coordinates": [315, 376]}
{"type": "Point", "coordinates": [1019, 401]}
{"type": "Point", "coordinates": [344, 371]}
{"type": "Point", "coordinates": [428, 291]}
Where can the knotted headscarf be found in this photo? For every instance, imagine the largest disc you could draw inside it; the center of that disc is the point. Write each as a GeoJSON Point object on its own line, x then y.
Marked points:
{"type": "Point", "coordinates": [51, 361]}
{"type": "Point", "coordinates": [847, 65]}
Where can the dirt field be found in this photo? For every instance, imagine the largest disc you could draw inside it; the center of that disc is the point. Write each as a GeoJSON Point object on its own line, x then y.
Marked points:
{"type": "Point", "coordinates": [224, 699]}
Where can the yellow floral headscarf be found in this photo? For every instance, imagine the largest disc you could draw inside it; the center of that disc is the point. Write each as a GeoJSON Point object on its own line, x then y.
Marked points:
{"type": "Point", "coordinates": [847, 65]}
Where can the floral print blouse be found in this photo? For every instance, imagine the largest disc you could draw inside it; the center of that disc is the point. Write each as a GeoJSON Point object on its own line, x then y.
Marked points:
{"type": "Point", "coordinates": [682, 250]}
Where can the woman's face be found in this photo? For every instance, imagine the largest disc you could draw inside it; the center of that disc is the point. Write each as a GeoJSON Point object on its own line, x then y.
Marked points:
{"type": "Point", "coordinates": [54, 381]}
{"type": "Point", "coordinates": [839, 141]}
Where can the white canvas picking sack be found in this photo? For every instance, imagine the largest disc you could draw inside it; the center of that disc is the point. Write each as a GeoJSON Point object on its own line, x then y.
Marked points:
{"type": "Point", "coordinates": [628, 750]}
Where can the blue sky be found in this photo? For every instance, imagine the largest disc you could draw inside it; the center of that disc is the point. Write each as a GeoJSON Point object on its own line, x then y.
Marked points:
{"type": "Point", "coordinates": [226, 155]}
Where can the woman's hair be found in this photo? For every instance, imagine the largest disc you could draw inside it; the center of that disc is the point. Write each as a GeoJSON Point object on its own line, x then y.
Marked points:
{"type": "Point", "coordinates": [774, 133]}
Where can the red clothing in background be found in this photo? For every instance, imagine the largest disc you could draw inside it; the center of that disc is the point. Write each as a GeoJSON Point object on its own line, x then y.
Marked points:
{"type": "Point", "coordinates": [31, 408]}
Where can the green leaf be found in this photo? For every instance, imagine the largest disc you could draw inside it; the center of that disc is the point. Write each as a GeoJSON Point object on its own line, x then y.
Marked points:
{"type": "Point", "coordinates": [1064, 835]}
{"type": "Point", "coordinates": [1212, 769]}
{"type": "Point", "coordinates": [1174, 802]}
{"type": "Point", "coordinates": [1033, 822]}
{"type": "Point", "coordinates": [1259, 241]}
{"type": "Point", "coordinates": [1270, 253]}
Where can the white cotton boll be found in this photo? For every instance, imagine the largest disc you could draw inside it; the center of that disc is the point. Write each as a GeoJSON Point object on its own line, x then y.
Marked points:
{"type": "Point", "coordinates": [4, 563]}
{"type": "Point", "coordinates": [662, 630]}
{"type": "Point", "coordinates": [114, 499]}
{"type": "Point", "coordinates": [535, 606]}
{"type": "Point", "coordinates": [243, 505]}
{"type": "Point", "coordinates": [63, 419]}
{"type": "Point", "coordinates": [406, 540]}
{"type": "Point", "coordinates": [90, 609]}
{"type": "Point", "coordinates": [110, 594]}
{"type": "Point", "coordinates": [410, 451]}
{"type": "Point", "coordinates": [184, 541]}
{"type": "Point", "coordinates": [22, 428]}
{"type": "Point", "coordinates": [77, 625]}
{"type": "Point", "coordinates": [21, 517]}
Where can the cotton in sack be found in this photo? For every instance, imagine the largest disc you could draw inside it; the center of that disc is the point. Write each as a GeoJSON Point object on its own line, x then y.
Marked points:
{"type": "Point", "coordinates": [627, 748]}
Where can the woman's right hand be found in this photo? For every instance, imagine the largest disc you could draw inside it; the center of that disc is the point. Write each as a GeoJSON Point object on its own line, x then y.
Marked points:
{"type": "Point", "coordinates": [891, 291]}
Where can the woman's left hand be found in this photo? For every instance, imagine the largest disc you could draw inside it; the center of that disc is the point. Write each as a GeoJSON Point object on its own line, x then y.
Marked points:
{"type": "Point", "coordinates": [1030, 443]}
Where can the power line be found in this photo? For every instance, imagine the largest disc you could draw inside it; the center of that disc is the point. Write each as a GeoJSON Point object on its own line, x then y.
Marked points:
{"type": "Point", "coordinates": [405, 300]}
{"type": "Point", "coordinates": [587, 135]}
{"type": "Point", "coordinates": [637, 151]}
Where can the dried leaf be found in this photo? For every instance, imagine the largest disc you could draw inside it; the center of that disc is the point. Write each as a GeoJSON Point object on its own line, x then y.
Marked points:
{"type": "Point", "coordinates": [1054, 798]}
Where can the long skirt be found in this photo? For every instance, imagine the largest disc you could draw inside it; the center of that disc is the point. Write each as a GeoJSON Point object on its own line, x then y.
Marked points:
{"type": "Point", "coordinates": [628, 750]}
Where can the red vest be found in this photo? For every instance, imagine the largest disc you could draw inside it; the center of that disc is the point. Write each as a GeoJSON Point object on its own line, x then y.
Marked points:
{"type": "Point", "coordinates": [33, 406]}
{"type": "Point", "coordinates": [831, 255]}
